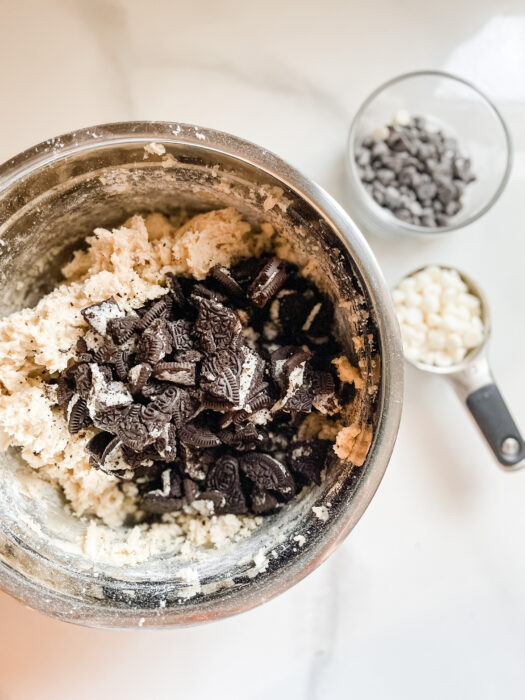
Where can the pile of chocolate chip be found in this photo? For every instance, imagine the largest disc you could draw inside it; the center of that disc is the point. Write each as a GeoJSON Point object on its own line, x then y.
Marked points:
{"type": "Point", "coordinates": [417, 173]}
{"type": "Point", "coordinates": [199, 393]}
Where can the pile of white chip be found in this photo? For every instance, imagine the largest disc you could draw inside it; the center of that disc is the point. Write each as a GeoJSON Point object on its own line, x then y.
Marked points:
{"type": "Point", "coordinates": [440, 320]}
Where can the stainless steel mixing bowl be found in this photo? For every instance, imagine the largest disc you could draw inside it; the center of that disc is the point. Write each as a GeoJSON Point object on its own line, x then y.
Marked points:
{"type": "Point", "coordinates": [51, 197]}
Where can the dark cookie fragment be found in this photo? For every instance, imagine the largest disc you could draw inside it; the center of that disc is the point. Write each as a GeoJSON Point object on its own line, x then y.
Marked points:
{"type": "Point", "coordinates": [176, 372]}
{"type": "Point", "coordinates": [268, 282]}
{"type": "Point", "coordinates": [122, 328]}
{"type": "Point", "coordinates": [132, 430]}
{"type": "Point", "coordinates": [224, 277]}
{"type": "Point", "coordinates": [78, 414]}
{"type": "Point", "coordinates": [166, 443]}
{"type": "Point", "coordinates": [197, 435]}
{"type": "Point", "coordinates": [83, 379]}
{"type": "Point", "coordinates": [223, 478]}
{"type": "Point", "coordinates": [216, 327]}
{"type": "Point", "coordinates": [166, 497]}
{"type": "Point", "coordinates": [262, 501]}
{"type": "Point", "coordinates": [98, 315]}
{"type": "Point", "coordinates": [138, 376]}
{"type": "Point", "coordinates": [308, 459]}
{"type": "Point", "coordinates": [220, 376]}
{"type": "Point", "coordinates": [268, 473]}
{"type": "Point", "coordinates": [96, 447]}
{"type": "Point", "coordinates": [180, 331]}
{"type": "Point", "coordinates": [155, 342]}
{"type": "Point", "coordinates": [191, 490]}
{"type": "Point", "coordinates": [159, 309]}
{"type": "Point", "coordinates": [64, 392]}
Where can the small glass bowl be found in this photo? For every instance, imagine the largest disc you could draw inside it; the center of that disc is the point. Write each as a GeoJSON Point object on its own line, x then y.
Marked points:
{"type": "Point", "coordinates": [457, 108]}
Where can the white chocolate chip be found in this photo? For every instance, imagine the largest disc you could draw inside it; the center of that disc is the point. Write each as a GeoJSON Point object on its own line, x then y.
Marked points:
{"type": "Point", "coordinates": [440, 319]}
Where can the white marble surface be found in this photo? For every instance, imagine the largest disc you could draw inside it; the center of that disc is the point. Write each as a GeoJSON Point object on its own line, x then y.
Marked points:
{"type": "Point", "coordinates": [426, 599]}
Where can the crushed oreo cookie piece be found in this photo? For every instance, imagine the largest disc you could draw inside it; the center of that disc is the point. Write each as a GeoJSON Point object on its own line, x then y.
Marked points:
{"type": "Point", "coordinates": [158, 309]}
{"type": "Point", "coordinates": [268, 282]}
{"type": "Point", "coordinates": [268, 473]}
{"type": "Point", "coordinates": [307, 459]}
{"type": "Point", "coordinates": [98, 315]}
{"type": "Point", "coordinates": [176, 372]}
{"type": "Point", "coordinates": [194, 402]}
{"type": "Point", "coordinates": [197, 435]}
{"type": "Point", "coordinates": [223, 478]}
{"type": "Point", "coordinates": [225, 279]}
{"type": "Point", "coordinates": [262, 501]}
{"type": "Point", "coordinates": [78, 417]}
{"type": "Point", "coordinates": [121, 328]}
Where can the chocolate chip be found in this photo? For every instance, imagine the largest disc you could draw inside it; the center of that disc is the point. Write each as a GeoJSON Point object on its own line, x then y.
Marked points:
{"type": "Point", "coordinates": [268, 282]}
{"type": "Point", "coordinates": [414, 162]}
{"type": "Point", "coordinates": [268, 473]}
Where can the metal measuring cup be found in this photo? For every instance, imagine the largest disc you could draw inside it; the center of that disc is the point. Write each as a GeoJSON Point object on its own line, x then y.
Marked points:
{"type": "Point", "coordinates": [474, 383]}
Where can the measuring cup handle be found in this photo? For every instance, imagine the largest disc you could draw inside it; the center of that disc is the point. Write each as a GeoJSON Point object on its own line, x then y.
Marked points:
{"type": "Point", "coordinates": [490, 412]}
{"type": "Point", "coordinates": [476, 386]}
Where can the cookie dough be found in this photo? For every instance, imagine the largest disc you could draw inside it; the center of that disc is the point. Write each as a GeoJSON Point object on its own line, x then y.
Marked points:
{"type": "Point", "coordinates": [130, 264]}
